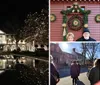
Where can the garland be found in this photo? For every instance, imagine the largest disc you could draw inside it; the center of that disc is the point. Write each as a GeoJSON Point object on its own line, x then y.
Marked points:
{"type": "Point", "coordinates": [74, 9]}
{"type": "Point", "coordinates": [64, 26]}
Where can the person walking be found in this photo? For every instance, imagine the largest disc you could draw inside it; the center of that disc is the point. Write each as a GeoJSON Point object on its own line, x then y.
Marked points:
{"type": "Point", "coordinates": [74, 72]}
{"type": "Point", "coordinates": [54, 78]}
{"type": "Point", "coordinates": [94, 73]}
{"type": "Point", "coordinates": [79, 69]}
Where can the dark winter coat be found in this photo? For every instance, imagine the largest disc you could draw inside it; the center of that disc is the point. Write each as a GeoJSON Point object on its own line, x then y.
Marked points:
{"type": "Point", "coordinates": [54, 73]}
{"type": "Point", "coordinates": [94, 75]}
{"type": "Point", "coordinates": [79, 69]}
{"type": "Point", "coordinates": [74, 71]}
{"type": "Point", "coordinates": [82, 39]}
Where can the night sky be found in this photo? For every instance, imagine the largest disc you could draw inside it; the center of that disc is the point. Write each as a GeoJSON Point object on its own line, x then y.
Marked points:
{"type": "Point", "coordinates": [18, 10]}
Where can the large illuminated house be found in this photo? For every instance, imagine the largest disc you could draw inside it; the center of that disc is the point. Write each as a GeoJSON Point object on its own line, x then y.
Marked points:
{"type": "Point", "coordinates": [7, 42]}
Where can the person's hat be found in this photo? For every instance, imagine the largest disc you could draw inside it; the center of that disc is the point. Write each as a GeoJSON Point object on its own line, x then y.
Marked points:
{"type": "Point", "coordinates": [86, 30]}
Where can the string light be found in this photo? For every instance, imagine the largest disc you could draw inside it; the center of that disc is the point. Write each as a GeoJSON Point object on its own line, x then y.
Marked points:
{"type": "Point", "coordinates": [35, 23]}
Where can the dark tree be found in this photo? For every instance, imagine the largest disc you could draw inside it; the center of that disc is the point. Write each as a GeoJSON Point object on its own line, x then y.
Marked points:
{"type": "Point", "coordinates": [90, 50]}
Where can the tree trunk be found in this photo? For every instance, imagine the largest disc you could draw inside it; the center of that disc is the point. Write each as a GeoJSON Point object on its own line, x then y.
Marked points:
{"type": "Point", "coordinates": [16, 44]}
{"type": "Point", "coordinates": [84, 52]}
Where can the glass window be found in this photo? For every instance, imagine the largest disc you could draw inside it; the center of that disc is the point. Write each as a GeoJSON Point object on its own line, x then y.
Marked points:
{"type": "Point", "coordinates": [68, 7]}
{"type": "Point", "coordinates": [82, 7]}
{"type": "Point", "coordinates": [0, 36]}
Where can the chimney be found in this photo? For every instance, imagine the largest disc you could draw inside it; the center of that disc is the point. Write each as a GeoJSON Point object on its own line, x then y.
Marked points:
{"type": "Point", "coordinates": [74, 50]}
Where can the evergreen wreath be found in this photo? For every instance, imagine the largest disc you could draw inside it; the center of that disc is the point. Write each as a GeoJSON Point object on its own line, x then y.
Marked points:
{"type": "Point", "coordinates": [97, 18]}
{"type": "Point", "coordinates": [52, 17]}
{"type": "Point", "coordinates": [75, 23]}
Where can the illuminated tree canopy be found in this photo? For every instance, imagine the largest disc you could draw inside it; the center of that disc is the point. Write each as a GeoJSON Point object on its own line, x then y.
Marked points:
{"type": "Point", "coordinates": [36, 27]}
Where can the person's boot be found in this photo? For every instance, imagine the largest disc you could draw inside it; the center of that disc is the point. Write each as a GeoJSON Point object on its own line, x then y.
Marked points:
{"type": "Point", "coordinates": [73, 83]}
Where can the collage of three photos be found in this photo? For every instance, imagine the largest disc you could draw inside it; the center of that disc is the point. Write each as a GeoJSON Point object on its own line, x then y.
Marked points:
{"type": "Point", "coordinates": [50, 42]}
{"type": "Point", "coordinates": [74, 42]}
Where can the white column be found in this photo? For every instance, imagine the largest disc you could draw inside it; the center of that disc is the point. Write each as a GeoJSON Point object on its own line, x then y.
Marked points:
{"type": "Point", "coordinates": [33, 63]}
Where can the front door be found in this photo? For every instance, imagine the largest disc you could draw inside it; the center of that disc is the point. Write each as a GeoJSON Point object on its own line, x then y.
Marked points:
{"type": "Point", "coordinates": [75, 19]}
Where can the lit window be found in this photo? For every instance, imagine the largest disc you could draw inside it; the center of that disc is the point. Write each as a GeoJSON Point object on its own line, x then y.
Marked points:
{"type": "Point", "coordinates": [0, 36]}
{"type": "Point", "coordinates": [0, 42]}
{"type": "Point", "coordinates": [68, 7]}
{"type": "Point", "coordinates": [82, 7]}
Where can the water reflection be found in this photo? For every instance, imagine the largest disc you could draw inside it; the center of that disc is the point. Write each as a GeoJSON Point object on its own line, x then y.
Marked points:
{"type": "Point", "coordinates": [8, 61]}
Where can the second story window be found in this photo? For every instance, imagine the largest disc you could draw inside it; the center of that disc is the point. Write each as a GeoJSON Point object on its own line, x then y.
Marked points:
{"type": "Point", "coordinates": [82, 7]}
{"type": "Point", "coordinates": [68, 7]}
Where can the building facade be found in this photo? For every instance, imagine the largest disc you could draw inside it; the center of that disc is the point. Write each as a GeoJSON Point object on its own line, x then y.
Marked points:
{"type": "Point", "coordinates": [73, 16]}
{"type": "Point", "coordinates": [62, 59]}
